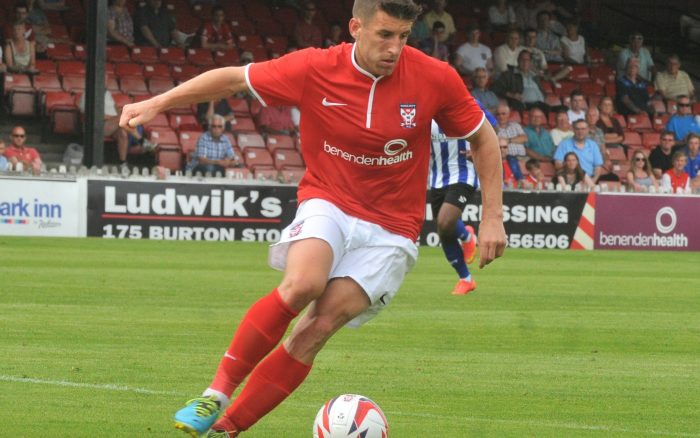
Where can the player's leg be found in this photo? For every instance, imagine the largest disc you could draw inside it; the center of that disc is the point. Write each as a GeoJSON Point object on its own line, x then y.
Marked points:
{"type": "Point", "coordinates": [279, 374]}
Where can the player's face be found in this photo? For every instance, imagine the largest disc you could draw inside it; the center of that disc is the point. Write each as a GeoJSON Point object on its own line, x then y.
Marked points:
{"type": "Point", "coordinates": [379, 42]}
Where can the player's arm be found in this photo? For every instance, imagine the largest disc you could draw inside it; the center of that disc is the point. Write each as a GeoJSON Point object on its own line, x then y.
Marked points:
{"type": "Point", "coordinates": [487, 159]}
{"type": "Point", "coordinates": [208, 86]}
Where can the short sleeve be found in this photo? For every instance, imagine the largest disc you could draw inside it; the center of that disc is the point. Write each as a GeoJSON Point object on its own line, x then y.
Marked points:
{"type": "Point", "coordinates": [459, 115]}
{"type": "Point", "coordinates": [559, 153]}
{"type": "Point", "coordinates": [280, 81]}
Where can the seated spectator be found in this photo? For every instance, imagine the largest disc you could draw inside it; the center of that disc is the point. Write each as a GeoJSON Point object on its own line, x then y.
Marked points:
{"type": "Point", "coordinates": [676, 179]}
{"type": "Point", "coordinates": [4, 164]}
{"type": "Point", "coordinates": [501, 16]}
{"type": "Point", "coordinates": [540, 145]}
{"type": "Point", "coordinates": [573, 45]}
{"type": "Point", "coordinates": [661, 156]}
{"type": "Point", "coordinates": [432, 46]}
{"type": "Point", "coordinates": [522, 87]}
{"type": "Point", "coordinates": [335, 35]}
{"type": "Point", "coordinates": [539, 60]}
{"type": "Point", "coordinates": [419, 32]}
{"type": "Point", "coordinates": [154, 26]}
{"type": "Point", "coordinates": [510, 131]}
{"type": "Point", "coordinates": [691, 153]}
{"type": "Point", "coordinates": [578, 106]}
{"type": "Point", "coordinates": [276, 120]}
{"type": "Point", "coordinates": [472, 54]}
{"type": "Point", "coordinates": [21, 13]}
{"type": "Point", "coordinates": [21, 156]}
{"type": "Point", "coordinates": [683, 122]}
{"type": "Point", "coordinates": [40, 25]}
{"type": "Point", "coordinates": [20, 53]}
{"type": "Point", "coordinates": [587, 150]}
{"type": "Point", "coordinates": [214, 151]}
{"type": "Point", "coordinates": [512, 175]}
{"type": "Point", "coordinates": [526, 14]}
{"type": "Point", "coordinates": [674, 82]}
{"type": "Point", "coordinates": [614, 134]}
{"type": "Point", "coordinates": [206, 111]}
{"type": "Point", "coordinates": [594, 132]}
{"type": "Point", "coordinates": [632, 95]}
{"type": "Point", "coordinates": [120, 26]}
{"type": "Point", "coordinates": [306, 33]}
{"type": "Point", "coordinates": [480, 89]}
{"type": "Point", "coordinates": [562, 130]}
{"type": "Point", "coordinates": [571, 174]}
{"type": "Point", "coordinates": [548, 41]}
{"type": "Point", "coordinates": [216, 33]}
{"type": "Point", "coordinates": [122, 138]}
{"type": "Point", "coordinates": [640, 176]}
{"type": "Point", "coordinates": [506, 55]}
{"type": "Point", "coordinates": [641, 54]}
{"type": "Point", "coordinates": [535, 177]}
{"type": "Point", "coordinates": [438, 13]}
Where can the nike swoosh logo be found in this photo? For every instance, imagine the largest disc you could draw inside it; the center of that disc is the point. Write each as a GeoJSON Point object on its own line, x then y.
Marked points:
{"type": "Point", "coordinates": [325, 102]}
{"type": "Point", "coordinates": [229, 356]}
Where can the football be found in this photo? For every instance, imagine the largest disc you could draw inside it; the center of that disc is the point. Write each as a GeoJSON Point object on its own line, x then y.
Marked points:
{"type": "Point", "coordinates": [350, 416]}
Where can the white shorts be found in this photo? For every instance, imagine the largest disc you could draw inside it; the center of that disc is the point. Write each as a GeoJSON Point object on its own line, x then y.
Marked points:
{"type": "Point", "coordinates": [375, 258]}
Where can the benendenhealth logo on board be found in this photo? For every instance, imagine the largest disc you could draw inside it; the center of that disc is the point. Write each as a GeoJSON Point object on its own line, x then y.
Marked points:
{"type": "Point", "coordinates": [22, 211]}
{"type": "Point", "coordinates": [666, 219]}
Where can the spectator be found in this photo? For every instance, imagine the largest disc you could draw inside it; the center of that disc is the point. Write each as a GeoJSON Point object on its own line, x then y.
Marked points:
{"type": "Point", "coordinates": [506, 55]}
{"type": "Point", "coordinates": [216, 34]}
{"type": "Point", "coordinates": [306, 33]}
{"type": "Point", "coordinates": [480, 90]}
{"type": "Point", "coordinates": [562, 130]}
{"type": "Point", "coordinates": [214, 151]}
{"type": "Point", "coordinates": [472, 54]}
{"type": "Point", "coordinates": [598, 136]}
{"type": "Point", "coordinates": [578, 106]}
{"type": "Point", "coordinates": [276, 120]}
{"type": "Point", "coordinates": [640, 176]}
{"type": "Point", "coordinates": [676, 179]}
{"type": "Point", "coordinates": [40, 25]}
{"type": "Point", "coordinates": [510, 131]}
{"type": "Point", "coordinates": [573, 45]}
{"type": "Point", "coordinates": [21, 13]}
{"type": "Point", "coordinates": [540, 145]}
{"type": "Point", "coordinates": [691, 153]}
{"type": "Point", "coordinates": [522, 86]}
{"type": "Point", "coordinates": [539, 60]}
{"type": "Point", "coordinates": [526, 14]}
{"type": "Point", "coordinates": [3, 67]}
{"type": "Point", "coordinates": [512, 175]}
{"type": "Point", "coordinates": [335, 35]}
{"type": "Point", "coordinates": [548, 41]}
{"type": "Point", "coordinates": [571, 174]}
{"type": "Point", "coordinates": [641, 54]}
{"type": "Point", "coordinates": [4, 164]}
{"type": "Point", "coordinates": [120, 26]}
{"type": "Point", "coordinates": [632, 95]}
{"type": "Point", "coordinates": [674, 82]}
{"type": "Point", "coordinates": [614, 134]}
{"type": "Point", "coordinates": [432, 46]}
{"type": "Point", "coordinates": [154, 26]}
{"type": "Point", "coordinates": [535, 177]}
{"type": "Point", "coordinates": [206, 111]}
{"type": "Point", "coordinates": [419, 32]}
{"type": "Point", "coordinates": [683, 122]}
{"type": "Point", "coordinates": [122, 138]}
{"type": "Point", "coordinates": [20, 53]}
{"type": "Point", "coordinates": [438, 13]}
{"type": "Point", "coordinates": [587, 150]}
{"type": "Point", "coordinates": [661, 156]}
{"type": "Point", "coordinates": [501, 16]}
{"type": "Point", "coordinates": [19, 153]}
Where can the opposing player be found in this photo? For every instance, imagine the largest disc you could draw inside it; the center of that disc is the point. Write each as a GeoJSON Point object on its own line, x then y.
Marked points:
{"type": "Point", "coordinates": [452, 182]}
{"type": "Point", "coordinates": [366, 110]}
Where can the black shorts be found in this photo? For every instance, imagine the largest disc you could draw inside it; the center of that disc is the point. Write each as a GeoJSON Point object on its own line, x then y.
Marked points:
{"type": "Point", "coordinates": [455, 194]}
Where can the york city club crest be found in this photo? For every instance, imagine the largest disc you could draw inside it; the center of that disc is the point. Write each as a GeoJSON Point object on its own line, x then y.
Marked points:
{"type": "Point", "coordinates": [408, 115]}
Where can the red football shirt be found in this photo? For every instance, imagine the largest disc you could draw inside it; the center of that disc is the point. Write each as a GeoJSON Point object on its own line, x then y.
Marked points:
{"type": "Point", "coordinates": [366, 139]}
{"type": "Point", "coordinates": [23, 154]}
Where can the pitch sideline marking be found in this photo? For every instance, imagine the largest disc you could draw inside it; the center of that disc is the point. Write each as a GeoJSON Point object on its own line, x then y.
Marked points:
{"type": "Point", "coordinates": [574, 426]}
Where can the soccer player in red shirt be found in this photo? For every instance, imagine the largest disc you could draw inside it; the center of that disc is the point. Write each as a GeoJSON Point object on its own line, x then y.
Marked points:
{"type": "Point", "coordinates": [366, 115]}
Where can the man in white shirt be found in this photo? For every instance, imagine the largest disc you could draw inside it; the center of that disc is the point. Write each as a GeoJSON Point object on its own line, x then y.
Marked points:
{"type": "Point", "coordinates": [472, 54]}
{"type": "Point", "coordinates": [577, 110]}
{"type": "Point", "coordinates": [506, 55]}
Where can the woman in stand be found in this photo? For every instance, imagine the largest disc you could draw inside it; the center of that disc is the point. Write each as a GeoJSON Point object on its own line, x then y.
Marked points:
{"type": "Point", "coordinates": [572, 175]}
{"type": "Point", "coordinates": [20, 53]}
{"type": "Point", "coordinates": [640, 176]}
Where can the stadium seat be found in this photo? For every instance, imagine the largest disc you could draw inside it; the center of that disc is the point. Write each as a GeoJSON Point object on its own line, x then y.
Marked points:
{"type": "Point", "coordinates": [658, 106]}
{"type": "Point", "coordinates": [255, 157]}
{"type": "Point", "coordinates": [276, 44]}
{"type": "Point", "coordinates": [592, 89]}
{"type": "Point", "coordinates": [133, 85]}
{"type": "Point", "coordinates": [594, 101]}
{"type": "Point", "coordinates": [159, 121]}
{"type": "Point", "coordinates": [238, 173]}
{"type": "Point", "coordinates": [602, 74]}
{"type": "Point", "coordinates": [565, 88]}
{"type": "Point", "coordinates": [288, 17]}
{"type": "Point", "coordinates": [188, 141]}
{"type": "Point", "coordinates": [241, 25]}
{"type": "Point", "coordinates": [671, 106]}
{"type": "Point", "coordinates": [172, 55]}
{"type": "Point", "coordinates": [46, 66]}
{"type": "Point", "coordinates": [60, 51]}
{"type": "Point", "coordinates": [287, 158]}
{"type": "Point", "coordinates": [62, 112]}
{"type": "Point", "coordinates": [111, 83]}
{"type": "Point", "coordinates": [227, 58]}
{"type": "Point", "coordinates": [596, 57]}
{"type": "Point", "coordinates": [279, 141]}
{"type": "Point", "coordinates": [47, 82]}
{"type": "Point", "coordinates": [632, 139]}
{"type": "Point", "coordinates": [659, 122]}
{"type": "Point", "coordinates": [79, 52]}
{"type": "Point", "coordinates": [73, 83]}
{"type": "Point", "coordinates": [249, 42]}
{"type": "Point", "coordinates": [616, 154]}
{"type": "Point", "coordinates": [128, 69]}
{"type": "Point", "coordinates": [117, 53]}
{"type": "Point", "coordinates": [239, 106]}
{"type": "Point", "coordinates": [639, 122]}
{"type": "Point", "coordinates": [291, 176]}
{"type": "Point", "coordinates": [184, 72]}
{"type": "Point", "coordinates": [144, 55]}
{"type": "Point", "coordinates": [265, 173]}
{"type": "Point", "coordinates": [71, 68]}
{"type": "Point", "coordinates": [59, 32]}
{"type": "Point", "coordinates": [621, 119]}
{"type": "Point", "coordinates": [255, 107]}
{"type": "Point", "coordinates": [621, 169]}
{"type": "Point", "coordinates": [552, 100]}
{"type": "Point", "coordinates": [246, 140]}
{"type": "Point", "coordinates": [21, 96]}
{"type": "Point", "coordinates": [163, 136]}
{"type": "Point", "coordinates": [244, 124]}
{"type": "Point", "coordinates": [156, 70]}
{"type": "Point", "coordinates": [169, 156]}
{"type": "Point", "coordinates": [579, 73]}
{"type": "Point", "coordinates": [159, 85]}
{"type": "Point", "coordinates": [183, 121]}
{"type": "Point", "coordinates": [200, 57]}
{"type": "Point", "coordinates": [610, 89]}
{"type": "Point", "coordinates": [651, 139]}
{"type": "Point", "coordinates": [121, 99]}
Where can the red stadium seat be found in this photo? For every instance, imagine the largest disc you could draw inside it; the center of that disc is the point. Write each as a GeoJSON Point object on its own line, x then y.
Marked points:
{"type": "Point", "coordinates": [239, 106]}
{"type": "Point", "coordinates": [62, 111]}
{"type": "Point", "coordinates": [620, 118]}
{"type": "Point", "coordinates": [265, 173]}
{"type": "Point", "coordinates": [565, 88]}
{"type": "Point", "coordinates": [632, 139]}
{"type": "Point", "coordinates": [121, 99]}
{"type": "Point", "coordinates": [164, 136]}
{"type": "Point", "coordinates": [158, 122]}
{"type": "Point", "coordinates": [592, 89]}
{"type": "Point", "coordinates": [250, 42]}
{"type": "Point", "coordinates": [200, 57]}
{"type": "Point", "coordinates": [242, 25]}
{"type": "Point", "coordinates": [610, 89]}
{"type": "Point", "coordinates": [169, 157]}
{"type": "Point", "coordinates": [183, 121]}
{"type": "Point", "coordinates": [596, 56]}
{"type": "Point", "coordinates": [60, 51]}
{"type": "Point", "coordinates": [602, 74]}
{"type": "Point", "coordinates": [184, 72]}
{"type": "Point", "coordinates": [172, 55]}
{"type": "Point", "coordinates": [291, 176]}
{"type": "Point", "coordinates": [244, 124]}
{"type": "Point", "coordinates": [659, 122]}
{"type": "Point", "coordinates": [20, 93]}
{"type": "Point", "coordinates": [579, 73]}
{"type": "Point", "coordinates": [287, 158]}
{"type": "Point", "coordinates": [188, 141]}
{"type": "Point", "coordinates": [144, 55]}
{"type": "Point", "coordinates": [157, 70]}
{"type": "Point", "coordinates": [133, 85]}
{"type": "Point", "coordinates": [246, 140]}
{"type": "Point", "coordinates": [616, 154]}
{"type": "Point", "coordinates": [79, 52]}
{"type": "Point", "coordinates": [255, 157]}
{"type": "Point", "coordinates": [547, 169]}
{"type": "Point", "coordinates": [552, 100]}
{"type": "Point", "coordinates": [47, 82]}
{"type": "Point", "coordinates": [128, 69]}
{"type": "Point", "coordinates": [46, 66]}
{"type": "Point", "coordinates": [227, 57]}
{"type": "Point", "coordinates": [594, 101]}
{"type": "Point", "coordinates": [159, 85]}
{"type": "Point", "coordinates": [651, 139]}
{"type": "Point", "coordinates": [117, 53]}
{"type": "Point", "coordinates": [111, 83]}
{"type": "Point", "coordinates": [71, 68]}
{"type": "Point", "coordinates": [276, 44]}
{"type": "Point", "coordinates": [279, 141]}
{"type": "Point", "coordinates": [73, 83]}
{"type": "Point", "coordinates": [59, 32]}
{"type": "Point", "coordinates": [639, 122]}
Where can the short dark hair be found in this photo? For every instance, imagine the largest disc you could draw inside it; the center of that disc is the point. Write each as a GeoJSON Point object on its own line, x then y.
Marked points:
{"type": "Point", "coordinates": [532, 163]}
{"type": "Point", "coordinates": [217, 8]}
{"type": "Point", "coordinates": [576, 92]}
{"type": "Point", "coordinates": [543, 13]}
{"type": "Point", "coordinates": [401, 9]}
{"type": "Point", "coordinates": [438, 25]}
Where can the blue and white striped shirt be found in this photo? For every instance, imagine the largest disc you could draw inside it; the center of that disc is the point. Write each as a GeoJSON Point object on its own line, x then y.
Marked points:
{"type": "Point", "coordinates": [448, 161]}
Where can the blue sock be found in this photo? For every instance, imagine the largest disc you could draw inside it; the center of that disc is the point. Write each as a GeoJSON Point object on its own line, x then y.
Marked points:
{"type": "Point", "coordinates": [461, 231]}
{"type": "Point", "coordinates": [455, 256]}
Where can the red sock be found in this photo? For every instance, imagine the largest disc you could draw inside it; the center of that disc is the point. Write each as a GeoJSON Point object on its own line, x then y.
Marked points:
{"type": "Point", "coordinates": [260, 330]}
{"type": "Point", "coordinates": [272, 381]}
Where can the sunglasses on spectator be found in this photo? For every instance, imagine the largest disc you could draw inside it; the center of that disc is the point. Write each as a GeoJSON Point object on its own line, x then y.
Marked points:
{"type": "Point", "coordinates": [639, 159]}
{"type": "Point", "coordinates": [217, 126]}
{"type": "Point", "coordinates": [683, 104]}
{"type": "Point", "coordinates": [19, 135]}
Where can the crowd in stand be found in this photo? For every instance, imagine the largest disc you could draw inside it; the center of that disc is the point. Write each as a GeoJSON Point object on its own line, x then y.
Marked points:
{"type": "Point", "coordinates": [564, 115]}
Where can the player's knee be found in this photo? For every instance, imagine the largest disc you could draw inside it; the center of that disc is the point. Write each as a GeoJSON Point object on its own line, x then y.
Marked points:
{"type": "Point", "coordinates": [445, 229]}
{"type": "Point", "coordinates": [299, 291]}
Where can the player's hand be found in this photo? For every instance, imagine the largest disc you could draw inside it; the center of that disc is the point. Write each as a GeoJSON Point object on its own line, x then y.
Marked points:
{"type": "Point", "coordinates": [135, 114]}
{"type": "Point", "coordinates": [492, 240]}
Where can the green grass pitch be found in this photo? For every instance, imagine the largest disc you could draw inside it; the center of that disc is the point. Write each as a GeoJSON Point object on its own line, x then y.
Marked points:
{"type": "Point", "coordinates": [105, 338]}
